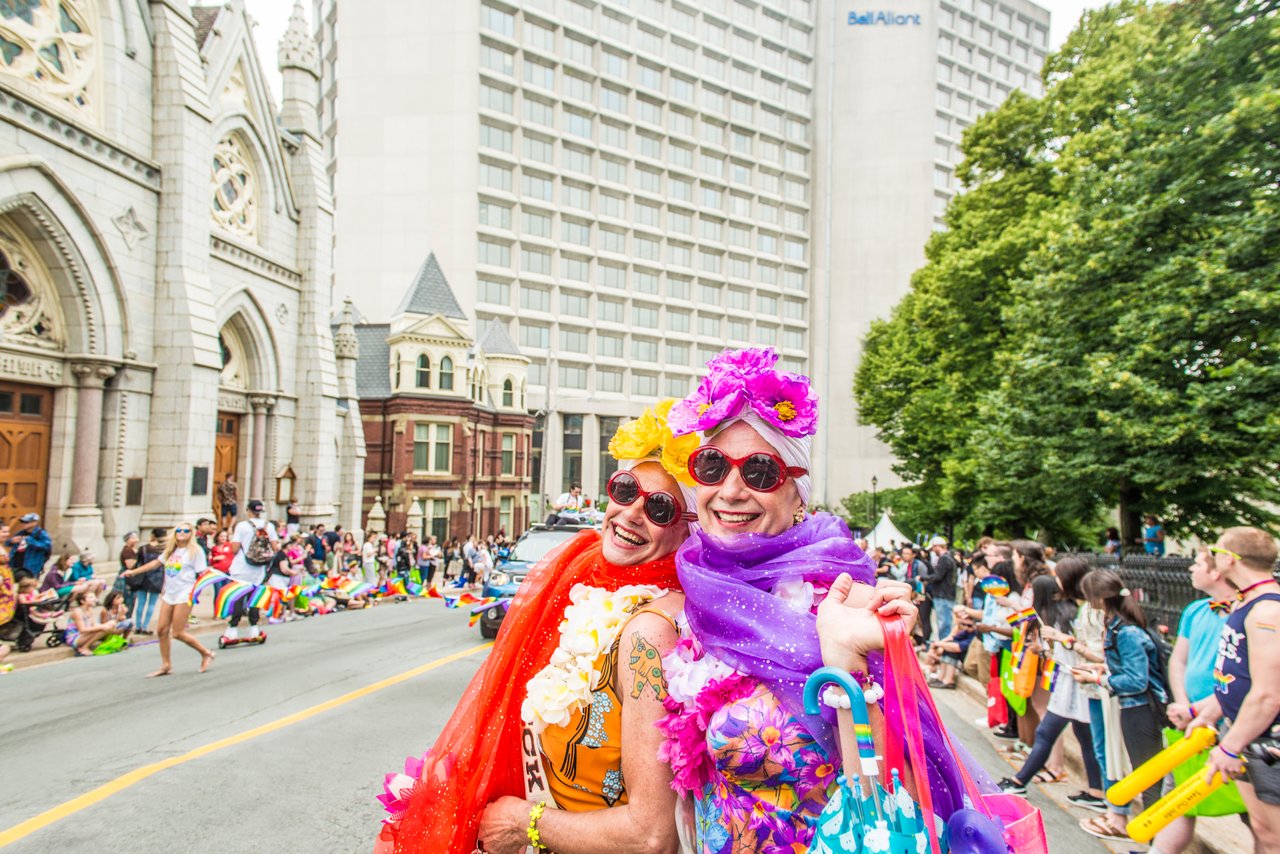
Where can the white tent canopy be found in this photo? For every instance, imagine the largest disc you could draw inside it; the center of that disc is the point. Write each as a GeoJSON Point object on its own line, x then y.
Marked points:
{"type": "Point", "coordinates": [885, 534]}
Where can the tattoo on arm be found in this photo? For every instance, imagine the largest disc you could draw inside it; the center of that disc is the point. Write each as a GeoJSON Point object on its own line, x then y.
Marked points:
{"type": "Point", "coordinates": [646, 669]}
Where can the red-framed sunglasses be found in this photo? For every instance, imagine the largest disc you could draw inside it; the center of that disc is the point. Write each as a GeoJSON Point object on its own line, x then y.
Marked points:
{"type": "Point", "coordinates": [761, 472]}
{"type": "Point", "coordinates": [660, 507]}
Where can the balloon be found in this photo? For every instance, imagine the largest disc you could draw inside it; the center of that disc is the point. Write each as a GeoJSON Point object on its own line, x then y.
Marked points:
{"type": "Point", "coordinates": [1153, 770]}
{"type": "Point", "coordinates": [971, 832]}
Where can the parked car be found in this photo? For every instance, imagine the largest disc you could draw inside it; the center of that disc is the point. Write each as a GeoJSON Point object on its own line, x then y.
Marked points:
{"type": "Point", "coordinates": [533, 545]}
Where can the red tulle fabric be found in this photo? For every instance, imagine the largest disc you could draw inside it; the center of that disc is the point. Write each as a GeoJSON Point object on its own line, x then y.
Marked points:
{"type": "Point", "coordinates": [477, 758]}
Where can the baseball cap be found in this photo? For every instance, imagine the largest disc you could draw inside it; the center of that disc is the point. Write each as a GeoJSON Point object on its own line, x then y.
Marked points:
{"type": "Point", "coordinates": [938, 541]}
{"type": "Point", "coordinates": [30, 517]}
{"type": "Point", "coordinates": [256, 506]}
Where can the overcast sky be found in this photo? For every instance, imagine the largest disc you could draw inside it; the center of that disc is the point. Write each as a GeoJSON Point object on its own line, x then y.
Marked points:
{"type": "Point", "coordinates": [273, 15]}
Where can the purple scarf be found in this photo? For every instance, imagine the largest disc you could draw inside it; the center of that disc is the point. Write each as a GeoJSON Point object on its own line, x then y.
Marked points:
{"type": "Point", "coordinates": [728, 584]}
{"type": "Point", "coordinates": [734, 614]}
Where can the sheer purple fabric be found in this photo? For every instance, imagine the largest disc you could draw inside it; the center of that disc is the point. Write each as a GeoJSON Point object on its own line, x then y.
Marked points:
{"type": "Point", "coordinates": [731, 608]}
{"type": "Point", "coordinates": [732, 611]}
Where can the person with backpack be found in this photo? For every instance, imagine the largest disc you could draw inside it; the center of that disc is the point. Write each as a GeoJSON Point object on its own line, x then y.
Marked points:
{"type": "Point", "coordinates": [1134, 673]}
{"type": "Point", "coordinates": [147, 586]}
{"type": "Point", "coordinates": [253, 549]}
{"type": "Point", "coordinates": [1246, 697]}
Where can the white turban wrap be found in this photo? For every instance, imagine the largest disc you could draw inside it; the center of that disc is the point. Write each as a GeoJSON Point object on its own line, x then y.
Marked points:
{"type": "Point", "coordinates": [794, 450]}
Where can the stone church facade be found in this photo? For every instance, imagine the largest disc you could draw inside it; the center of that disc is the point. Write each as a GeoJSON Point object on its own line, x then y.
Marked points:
{"type": "Point", "coordinates": [449, 437]}
{"type": "Point", "coordinates": [165, 252]}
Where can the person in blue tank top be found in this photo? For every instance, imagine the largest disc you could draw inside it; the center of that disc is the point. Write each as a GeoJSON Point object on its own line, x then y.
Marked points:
{"type": "Point", "coordinates": [1246, 697]}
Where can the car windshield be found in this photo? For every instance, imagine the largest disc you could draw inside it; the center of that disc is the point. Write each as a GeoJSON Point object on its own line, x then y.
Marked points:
{"type": "Point", "coordinates": [535, 545]}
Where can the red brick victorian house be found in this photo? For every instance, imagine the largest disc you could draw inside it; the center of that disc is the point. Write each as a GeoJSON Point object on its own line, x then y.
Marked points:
{"type": "Point", "coordinates": [443, 409]}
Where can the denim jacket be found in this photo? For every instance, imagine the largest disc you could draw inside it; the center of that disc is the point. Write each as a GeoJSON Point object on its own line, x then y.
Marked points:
{"type": "Point", "coordinates": [1132, 665]}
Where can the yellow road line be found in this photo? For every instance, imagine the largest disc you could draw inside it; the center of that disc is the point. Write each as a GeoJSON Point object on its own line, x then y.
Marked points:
{"type": "Point", "coordinates": [119, 784]}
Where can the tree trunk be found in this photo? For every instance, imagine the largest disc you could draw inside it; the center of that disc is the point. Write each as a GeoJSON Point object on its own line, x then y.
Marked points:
{"type": "Point", "coordinates": [1130, 518]}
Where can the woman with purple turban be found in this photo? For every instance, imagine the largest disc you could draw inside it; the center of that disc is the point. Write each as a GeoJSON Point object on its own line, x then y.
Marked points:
{"type": "Point", "coordinates": [773, 593]}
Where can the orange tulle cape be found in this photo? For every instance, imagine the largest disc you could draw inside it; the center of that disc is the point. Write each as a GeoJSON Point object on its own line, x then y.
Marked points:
{"type": "Point", "coordinates": [477, 758]}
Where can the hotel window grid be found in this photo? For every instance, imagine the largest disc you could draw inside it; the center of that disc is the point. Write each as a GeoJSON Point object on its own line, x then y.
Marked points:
{"type": "Point", "coordinates": [783, 78]}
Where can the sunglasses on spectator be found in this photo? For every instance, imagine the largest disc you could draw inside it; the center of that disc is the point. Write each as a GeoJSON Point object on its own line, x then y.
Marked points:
{"type": "Point", "coordinates": [761, 472]}
{"type": "Point", "coordinates": [182, 530]}
{"type": "Point", "coordinates": [1219, 550]}
{"type": "Point", "coordinates": [661, 508]}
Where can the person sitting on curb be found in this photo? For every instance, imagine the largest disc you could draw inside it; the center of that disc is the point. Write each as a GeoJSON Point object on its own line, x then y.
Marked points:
{"type": "Point", "coordinates": [1246, 698]}
{"type": "Point", "coordinates": [947, 655]}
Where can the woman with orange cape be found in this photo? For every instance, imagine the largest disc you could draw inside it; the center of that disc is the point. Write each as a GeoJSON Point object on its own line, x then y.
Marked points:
{"type": "Point", "coordinates": [554, 741]}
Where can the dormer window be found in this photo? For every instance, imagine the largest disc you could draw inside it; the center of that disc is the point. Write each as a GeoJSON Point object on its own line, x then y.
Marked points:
{"type": "Point", "coordinates": [446, 374]}
{"type": "Point", "coordinates": [424, 372]}
{"type": "Point", "coordinates": [508, 393]}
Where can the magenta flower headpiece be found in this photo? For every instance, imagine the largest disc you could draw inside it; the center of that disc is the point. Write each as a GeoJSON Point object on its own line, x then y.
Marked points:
{"type": "Point", "coordinates": [737, 379]}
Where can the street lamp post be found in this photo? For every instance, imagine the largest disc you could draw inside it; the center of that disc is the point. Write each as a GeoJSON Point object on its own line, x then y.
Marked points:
{"type": "Point", "coordinates": [875, 506]}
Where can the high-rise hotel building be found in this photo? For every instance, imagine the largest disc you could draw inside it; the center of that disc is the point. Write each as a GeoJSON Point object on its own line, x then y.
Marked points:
{"type": "Point", "coordinates": [631, 185]}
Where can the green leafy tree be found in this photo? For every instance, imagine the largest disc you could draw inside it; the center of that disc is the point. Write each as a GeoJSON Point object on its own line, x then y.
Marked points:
{"type": "Point", "coordinates": [1097, 326]}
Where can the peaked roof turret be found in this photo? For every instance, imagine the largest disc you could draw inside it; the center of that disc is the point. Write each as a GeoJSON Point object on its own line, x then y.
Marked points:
{"type": "Point", "coordinates": [430, 293]}
{"type": "Point", "coordinates": [497, 342]}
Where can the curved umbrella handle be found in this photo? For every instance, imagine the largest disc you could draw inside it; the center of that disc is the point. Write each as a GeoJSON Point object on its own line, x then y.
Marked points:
{"type": "Point", "coordinates": [868, 764]}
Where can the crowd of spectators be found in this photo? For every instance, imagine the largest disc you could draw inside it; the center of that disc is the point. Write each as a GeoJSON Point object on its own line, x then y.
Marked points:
{"type": "Point", "coordinates": [1060, 644]}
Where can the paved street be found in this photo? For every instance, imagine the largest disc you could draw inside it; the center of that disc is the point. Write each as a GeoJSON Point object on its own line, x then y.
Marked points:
{"type": "Point", "coordinates": [307, 786]}
{"type": "Point", "coordinates": [74, 725]}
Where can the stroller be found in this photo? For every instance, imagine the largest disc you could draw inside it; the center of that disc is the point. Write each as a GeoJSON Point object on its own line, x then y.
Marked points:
{"type": "Point", "coordinates": [28, 622]}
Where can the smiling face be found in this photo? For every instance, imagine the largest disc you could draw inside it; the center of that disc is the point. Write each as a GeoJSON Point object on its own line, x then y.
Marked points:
{"type": "Point", "coordinates": [731, 507]}
{"type": "Point", "coordinates": [628, 537]}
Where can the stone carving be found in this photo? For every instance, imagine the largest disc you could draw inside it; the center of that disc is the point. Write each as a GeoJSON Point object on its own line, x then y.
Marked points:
{"type": "Point", "coordinates": [28, 306]}
{"type": "Point", "coordinates": [234, 187]}
{"type": "Point", "coordinates": [131, 228]}
{"type": "Point", "coordinates": [282, 314]}
{"type": "Point", "coordinates": [48, 45]}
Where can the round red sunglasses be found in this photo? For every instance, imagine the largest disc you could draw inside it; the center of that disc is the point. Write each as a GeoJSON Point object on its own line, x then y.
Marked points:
{"type": "Point", "coordinates": [660, 507]}
{"type": "Point", "coordinates": [761, 472]}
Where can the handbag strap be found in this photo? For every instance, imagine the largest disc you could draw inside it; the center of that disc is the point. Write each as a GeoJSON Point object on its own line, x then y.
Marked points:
{"type": "Point", "coordinates": [905, 694]}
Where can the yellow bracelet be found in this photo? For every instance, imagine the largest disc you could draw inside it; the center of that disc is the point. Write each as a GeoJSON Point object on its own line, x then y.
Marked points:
{"type": "Point", "coordinates": [535, 839]}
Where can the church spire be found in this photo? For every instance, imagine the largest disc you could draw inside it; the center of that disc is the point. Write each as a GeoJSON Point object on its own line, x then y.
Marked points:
{"type": "Point", "coordinates": [298, 46]}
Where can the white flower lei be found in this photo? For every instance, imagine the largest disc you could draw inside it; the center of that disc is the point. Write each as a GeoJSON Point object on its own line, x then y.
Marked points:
{"type": "Point", "coordinates": [590, 626]}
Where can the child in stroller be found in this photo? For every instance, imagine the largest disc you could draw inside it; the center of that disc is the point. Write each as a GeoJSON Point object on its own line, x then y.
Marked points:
{"type": "Point", "coordinates": [34, 614]}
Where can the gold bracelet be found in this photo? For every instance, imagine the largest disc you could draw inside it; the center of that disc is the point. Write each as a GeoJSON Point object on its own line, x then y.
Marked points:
{"type": "Point", "coordinates": [535, 839]}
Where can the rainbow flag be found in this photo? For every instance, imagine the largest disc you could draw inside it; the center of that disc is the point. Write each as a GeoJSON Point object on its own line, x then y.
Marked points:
{"type": "Point", "coordinates": [415, 589]}
{"type": "Point", "coordinates": [332, 582]}
{"type": "Point", "coordinates": [995, 585]}
{"type": "Point", "coordinates": [231, 592]}
{"type": "Point", "coordinates": [1024, 616]}
{"type": "Point", "coordinates": [1017, 640]}
{"type": "Point", "coordinates": [468, 599]}
{"type": "Point", "coordinates": [475, 617]}
{"type": "Point", "coordinates": [398, 588]}
{"type": "Point", "coordinates": [1050, 674]}
{"type": "Point", "coordinates": [264, 598]}
{"type": "Point", "coordinates": [359, 590]}
{"type": "Point", "coordinates": [205, 580]}
{"type": "Point", "coordinates": [450, 602]}
{"type": "Point", "coordinates": [434, 593]}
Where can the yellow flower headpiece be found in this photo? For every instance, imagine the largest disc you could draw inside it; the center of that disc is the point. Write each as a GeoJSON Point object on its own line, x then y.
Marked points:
{"type": "Point", "coordinates": [649, 436]}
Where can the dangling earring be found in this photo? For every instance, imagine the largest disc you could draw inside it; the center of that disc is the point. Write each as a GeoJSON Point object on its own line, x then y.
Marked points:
{"type": "Point", "coordinates": [798, 517]}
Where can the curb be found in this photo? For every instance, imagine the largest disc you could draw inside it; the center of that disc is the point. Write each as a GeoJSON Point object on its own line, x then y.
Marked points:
{"type": "Point", "coordinates": [41, 655]}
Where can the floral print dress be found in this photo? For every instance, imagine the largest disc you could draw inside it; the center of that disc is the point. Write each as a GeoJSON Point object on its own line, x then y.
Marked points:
{"type": "Point", "coordinates": [771, 780]}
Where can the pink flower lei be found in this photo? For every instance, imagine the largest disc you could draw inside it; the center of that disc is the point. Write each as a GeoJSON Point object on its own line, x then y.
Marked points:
{"type": "Point", "coordinates": [737, 379]}
{"type": "Point", "coordinates": [685, 725]}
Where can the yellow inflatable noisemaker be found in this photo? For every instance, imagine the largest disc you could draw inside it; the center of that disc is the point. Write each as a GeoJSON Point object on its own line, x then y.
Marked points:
{"type": "Point", "coordinates": [1181, 799]}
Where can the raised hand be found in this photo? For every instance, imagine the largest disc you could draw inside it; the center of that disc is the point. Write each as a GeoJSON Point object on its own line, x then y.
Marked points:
{"type": "Point", "coordinates": [847, 630]}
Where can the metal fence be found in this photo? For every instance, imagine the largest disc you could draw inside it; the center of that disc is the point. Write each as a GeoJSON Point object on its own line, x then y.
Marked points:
{"type": "Point", "coordinates": [1161, 584]}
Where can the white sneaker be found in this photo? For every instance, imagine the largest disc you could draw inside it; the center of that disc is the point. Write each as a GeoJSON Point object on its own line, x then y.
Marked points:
{"type": "Point", "coordinates": [253, 631]}
{"type": "Point", "coordinates": [232, 633]}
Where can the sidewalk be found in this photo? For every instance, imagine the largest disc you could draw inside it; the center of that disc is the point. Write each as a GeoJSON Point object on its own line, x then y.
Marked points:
{"type": "Point", "coordinates": [1225, 835]}
{"type": "Point", "coordinates": [40, 654]}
